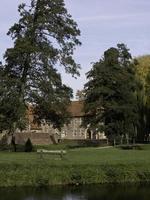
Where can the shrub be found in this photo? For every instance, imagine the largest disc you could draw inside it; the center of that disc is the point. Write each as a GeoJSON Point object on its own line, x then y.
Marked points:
{"type": "Point", "coordinates": [4, 146]}
{"type": "Point", "coordinates": [130, 147]}
{"type": "Point", "coordinates": [28, 145]}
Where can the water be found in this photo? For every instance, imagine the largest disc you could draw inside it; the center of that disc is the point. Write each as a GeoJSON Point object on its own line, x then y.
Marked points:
{"type": "Point", "coordinates": [93, 192]}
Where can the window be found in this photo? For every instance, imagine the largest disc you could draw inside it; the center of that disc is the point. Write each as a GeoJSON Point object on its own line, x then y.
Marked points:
{"type": "Point", "coordinates": [75, 133]}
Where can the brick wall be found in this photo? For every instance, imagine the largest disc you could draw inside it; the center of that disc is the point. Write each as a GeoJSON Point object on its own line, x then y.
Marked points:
{"type": "Point", "coordinates": [36, 138]}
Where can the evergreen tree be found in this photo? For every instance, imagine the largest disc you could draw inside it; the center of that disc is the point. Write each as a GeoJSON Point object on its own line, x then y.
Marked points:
{"type": "Point", "coordinates": [44, 40]}
{"type": "Point", "coordinates": [28, 146]}
{"type": "Point", "coordinates": [110, 103]}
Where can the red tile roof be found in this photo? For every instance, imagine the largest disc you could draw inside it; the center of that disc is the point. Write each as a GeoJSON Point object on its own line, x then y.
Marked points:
{"type": "Point", "coordinates": [76, 109]}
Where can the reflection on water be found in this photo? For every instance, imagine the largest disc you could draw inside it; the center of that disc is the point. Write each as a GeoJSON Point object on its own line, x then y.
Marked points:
{"type": "Point", "coordinates": [93, 192]}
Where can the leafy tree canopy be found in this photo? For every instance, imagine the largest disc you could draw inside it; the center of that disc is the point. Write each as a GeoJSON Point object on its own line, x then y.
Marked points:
{"type": "Point", "coordinates": [110, 102]}
{"type": "Point", "coordinates": [142, 71]}
{"type": "Point", "coordinates": [80, 95]}
{"type": "Point", "coordinates": [44, 39]}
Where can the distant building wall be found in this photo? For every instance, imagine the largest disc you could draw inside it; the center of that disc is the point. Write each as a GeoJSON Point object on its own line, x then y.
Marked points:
{"type": "Point", "coordinates": [72, 131]}
{"type": "Point", "coordinates": [42, 134]}
{"type": "Point", "coordinates": [36, 138]}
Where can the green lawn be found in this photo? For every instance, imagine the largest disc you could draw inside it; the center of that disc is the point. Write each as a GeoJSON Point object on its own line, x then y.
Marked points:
{"type": "Point", "coordinates": [80, 165]}
{"type": "Point", "coordinates": [92, 156]}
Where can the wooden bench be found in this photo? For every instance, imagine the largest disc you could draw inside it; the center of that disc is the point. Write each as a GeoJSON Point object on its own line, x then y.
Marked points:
{"type": "Point", "coordinates": [42, 152]}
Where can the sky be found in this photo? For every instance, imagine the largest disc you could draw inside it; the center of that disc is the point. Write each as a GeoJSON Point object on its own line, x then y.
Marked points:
{"type": "Point", "coordinates": [103, 24]}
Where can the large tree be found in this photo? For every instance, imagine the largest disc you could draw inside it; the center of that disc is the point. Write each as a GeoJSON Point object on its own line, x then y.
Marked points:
{"type": "Point", "coordinates": [110, 103]}
{"type": "Point", "coordinates": [12, 112]}
{"type": "Point", "coordinates": [142, 69]}
{"type": "Point", "coordinates": [44, 40]}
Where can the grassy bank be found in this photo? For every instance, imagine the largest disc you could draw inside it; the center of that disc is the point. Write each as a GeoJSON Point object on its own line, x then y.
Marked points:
{"type": "Point", "coordinates": [79, 166]}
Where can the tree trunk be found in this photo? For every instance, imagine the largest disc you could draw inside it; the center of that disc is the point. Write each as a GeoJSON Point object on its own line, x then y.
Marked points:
{"type": "Point", "coordinates": [13, 143]}
{"type": "Point", "coordinates": [107, 141]}
{"type": "Point", "coordinates": [121, 140]}
{"type": "Point", "coordinates": [114, 142]}
{"type": "Point", "coordinates": [127, 138]}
